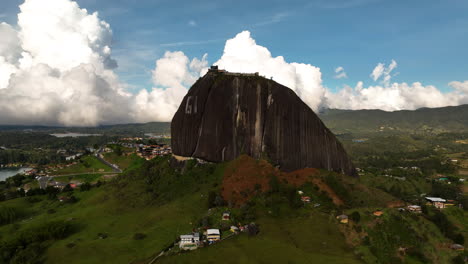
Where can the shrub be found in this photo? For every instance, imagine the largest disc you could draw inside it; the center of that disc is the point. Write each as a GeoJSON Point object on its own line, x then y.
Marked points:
{"type": "Point", "coordinates": [458, 260]}
{"type": "Point", "coordinates": [139, 236]}
{"type": "Point", "coordinates": [71, 245]}
{"type": "Point", "coordinates": [85, 187]}
{"type": "Point", "coordinates": [67, 188]}
{"type": "Point", "coordinates": [52, 192]}
{"type": "Point", "coordinates": [102, 235]}
{"type": "Point", "coordinates": [211, 199]}
{"type": "Point", "coordinates": [8, 215]}
{"type": "Point", "coordinates": [355, 216]}
{"type": "Point", "coordinates": [459, 239]}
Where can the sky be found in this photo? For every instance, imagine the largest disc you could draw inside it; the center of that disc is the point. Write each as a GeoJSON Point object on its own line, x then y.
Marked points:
{"type": "Point", "coordinates": [90, 62]}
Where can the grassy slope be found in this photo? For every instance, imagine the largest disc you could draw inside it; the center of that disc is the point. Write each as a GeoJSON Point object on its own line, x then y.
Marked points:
{"type": "Point", "coordinates": [82, 178]}
{"type": "Point", "coordinates": [160, 224]}
{"type": "Point", "coordinates": [122, 161]}
{"type": "Point", "coordinates": [97, 212]}
{"type": "Point", "coordinates": [312, 238]}
{"type": "Point", "coordinates": [162, 204]}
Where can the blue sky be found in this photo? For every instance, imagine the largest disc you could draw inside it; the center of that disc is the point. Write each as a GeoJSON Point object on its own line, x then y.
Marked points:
{"type": "Point", "coordinates": [428, 39]}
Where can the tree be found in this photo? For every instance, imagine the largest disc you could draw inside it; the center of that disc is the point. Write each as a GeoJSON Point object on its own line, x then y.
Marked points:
{"type": "Point", "coordinates": [21, 192]}
{"type": "Point", "coordinates": [211, 199]}
{"type": "Point", "coordinates": [424, 209]}
{"type": "Point", "coordinates": [459, 239]}
{"type": "Point", "coordinates": [118, 150]}
{"type": "Point", "coordinates": [355, 216]}
{"type": "Point", "coordinates": [205, 221]}
{"type": "Point", "coordinates": [274, 184]}
{"type": "Point", "coordinates": [67, 188]}
{"type": "Point", "coordinates": [219, 201]}
{"type": "Point", "coordinates": [464, 202]}
{"type": "Point", "coordinates": [52, 192]}
{"type": "Point", "coordinates": [139, 236]}
{"type": "Point", "coordinates": [85, 187]}
{"type": "Point", "coordinates": [72, 199]}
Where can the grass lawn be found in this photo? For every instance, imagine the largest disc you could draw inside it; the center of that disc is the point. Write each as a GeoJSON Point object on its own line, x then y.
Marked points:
{"type": "Point", "coordinates": [86, 164]}
{"type": "Point", "coordinates": [82, 178]}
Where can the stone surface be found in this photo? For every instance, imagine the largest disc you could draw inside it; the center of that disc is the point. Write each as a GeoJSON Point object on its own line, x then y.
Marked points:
{"type": "Point", "coordinates": [225, 115]}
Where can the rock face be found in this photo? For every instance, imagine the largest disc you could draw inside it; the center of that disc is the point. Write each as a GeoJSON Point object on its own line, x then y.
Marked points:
{"type": "Point", "coordinates": [225, 115]}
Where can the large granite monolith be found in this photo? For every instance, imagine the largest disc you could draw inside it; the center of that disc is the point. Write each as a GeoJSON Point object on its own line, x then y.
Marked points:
{"type": "Point", "coordinates": [225, 115]}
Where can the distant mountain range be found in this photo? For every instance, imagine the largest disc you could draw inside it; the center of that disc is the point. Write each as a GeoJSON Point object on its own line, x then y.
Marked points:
{"type": "Point", "coordinates": [122, 129]}
{"type": "Point", "coordinates": [436, 120]}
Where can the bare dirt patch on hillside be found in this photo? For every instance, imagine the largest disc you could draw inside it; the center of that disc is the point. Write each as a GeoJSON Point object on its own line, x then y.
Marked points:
{"type": "Point", "coordinates": [246, 177]}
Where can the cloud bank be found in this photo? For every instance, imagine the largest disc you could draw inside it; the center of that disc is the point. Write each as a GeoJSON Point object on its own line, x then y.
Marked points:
{"type": "Point", "coordinates": [395, 96]}
{"type": "Point", "coordinates": [56, 68]}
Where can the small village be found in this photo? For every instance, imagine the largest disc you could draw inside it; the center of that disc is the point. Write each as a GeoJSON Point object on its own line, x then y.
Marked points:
{"type": "Point", "coordinates": [54, 174]}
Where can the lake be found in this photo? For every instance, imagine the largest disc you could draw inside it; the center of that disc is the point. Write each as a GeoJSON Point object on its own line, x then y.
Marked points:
{"type": "Point", "coordinates": [61, 135]}
{"type": "Point", "coordinates": [8, 172]}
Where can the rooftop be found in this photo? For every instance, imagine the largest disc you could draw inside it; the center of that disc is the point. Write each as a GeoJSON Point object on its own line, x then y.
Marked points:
{"type": "Point", "coordinates": [435, 199]}
{"type": "Point", "coordinates": [212, 232]}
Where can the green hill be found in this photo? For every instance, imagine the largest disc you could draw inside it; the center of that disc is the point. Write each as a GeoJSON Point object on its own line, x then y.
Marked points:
{"type": "Point", "coordinates": [133, 217]}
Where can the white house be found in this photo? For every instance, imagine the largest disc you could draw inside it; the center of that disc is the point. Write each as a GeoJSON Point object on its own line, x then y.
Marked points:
{"type": "Point", "coordinates": [213, 235]}
{"type": "Point", "coordinates": [437, 202]}
{"type": "Point", "coordinates": [189, 242]}
{"type": "Point", "coordinates": [414, 208]}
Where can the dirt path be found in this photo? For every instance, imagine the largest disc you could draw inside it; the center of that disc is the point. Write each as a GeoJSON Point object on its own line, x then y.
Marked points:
{"type": "Point", "coordinates": [324, 187]}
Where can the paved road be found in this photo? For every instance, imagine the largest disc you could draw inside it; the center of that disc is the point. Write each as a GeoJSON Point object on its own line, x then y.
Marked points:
{"type": "Point", "coordinates": [114, 167]}
{"type": "Point", "coordinates": [43, 181]}
{"type": "Point", "coordinates": [84, 173]}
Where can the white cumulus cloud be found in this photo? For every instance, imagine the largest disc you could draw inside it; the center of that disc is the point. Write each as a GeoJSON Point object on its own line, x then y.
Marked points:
{"type": "Point", "coordinates": [242, 54]}
{"type": "Point", "coordinates": [56, 69]}
{"type": "Point", "coordinates": [381, 71]}
{"type": "Point", "coordinates": [173, 73]}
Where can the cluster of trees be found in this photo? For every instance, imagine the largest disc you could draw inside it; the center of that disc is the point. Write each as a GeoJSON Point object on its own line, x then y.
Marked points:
{"type": "Point", "coordinates": [9, 189]}
{"type": "Point", "coordinates": [447, 191]}
{"type": "Point", "coordinates": [41, 148]}
{"type": "Point", "coordinates": [9, 214]}
{"type": "Point", "coordinates": [33, 140]}
{"type": "Point", "coordinates": [427, 161]}
{"type": "Point", "coordinates": [39, 157]}
{"type": "Point", "coordinates": [447, 228]}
